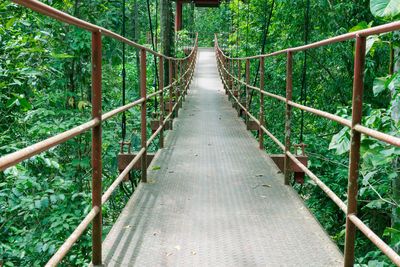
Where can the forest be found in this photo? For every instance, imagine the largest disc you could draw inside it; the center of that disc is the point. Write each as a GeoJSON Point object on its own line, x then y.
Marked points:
{"type": "Point", "coordinates": [45, 71]}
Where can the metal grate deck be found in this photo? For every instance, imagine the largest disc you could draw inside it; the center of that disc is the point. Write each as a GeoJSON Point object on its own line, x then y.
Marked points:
{"type": "Point", "coordinates": [206, 205]}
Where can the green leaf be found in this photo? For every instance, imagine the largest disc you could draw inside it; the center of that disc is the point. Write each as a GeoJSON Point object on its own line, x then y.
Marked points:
{"type": "Point", "coordinates": [389, 231]}
{"type": "Point", "coordinates": [156, 167]}
{"type": "Point", "coordinates": [387, 9]}
{"type": "Point", "coordinates": [379, 85]}
{"type": "Point", "coordinates": [60, 55]}
{"type": "Point", "coordinates": [10, 22]}
{"type": "Point", "coordinates": [44, 202]}
{"type": "Point", "coordinates": [394, 83]}
{"type": "Point", "coordinates": [375, 204]}
{"type": "Point", "coordinates": [341, 141]}
{"type": "Point", "coordinates": [372, 42]}
{"type": "Point", "coordinates": [24, 103]}
{"type": "Point", "coordinates": [360, 26]}
{"type": "Point", "coordinates": [38, 204]}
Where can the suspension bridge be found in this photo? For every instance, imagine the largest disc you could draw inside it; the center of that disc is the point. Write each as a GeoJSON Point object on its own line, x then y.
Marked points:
{"type": "Point", "coordinates": [211, 195]}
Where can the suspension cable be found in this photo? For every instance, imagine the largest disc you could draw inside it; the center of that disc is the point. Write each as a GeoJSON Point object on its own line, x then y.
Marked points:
{"type": "Point", "coordinates": [266, 27]}
{"type": "Point", "coordinates": [247, 31]}
{"type": "Point", "coordinates": [123, 125]}
{"type": "Point", "coordinates": [156, 85]}
{"type": "Point", "coordinates": [303, 93]}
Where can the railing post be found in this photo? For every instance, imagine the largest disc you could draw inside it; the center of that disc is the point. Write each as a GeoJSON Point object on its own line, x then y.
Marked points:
{"type": "Point", "coordinates": [177, 88]}
{"type": "Point", "coordinates": [96, 147]}
{"type": "Point", "coordinates": [261, 118]}
{"type": "Point", "coordinates": [228, 78]}
{"type": "Point", "coordinates": [161, 85]}
{"type": "Point", "coordinates": [143, 110]}
{"type": "Point", "coordinates": [239, 86]}
{"type": "Point", "coordinates": [247, 89]}
{"type": "Point", "coordinates": [288, 123]}
{"type": "Point", "coordinates": [352, 188]}
{"type": "Point", "coordinates": [182, 83]}
{"type": "Point", "coordinates": [170, 83]}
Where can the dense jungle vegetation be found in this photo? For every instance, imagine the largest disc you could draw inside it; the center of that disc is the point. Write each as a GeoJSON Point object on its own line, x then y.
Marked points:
{"type": "Point", "coordinates": [45, 89]}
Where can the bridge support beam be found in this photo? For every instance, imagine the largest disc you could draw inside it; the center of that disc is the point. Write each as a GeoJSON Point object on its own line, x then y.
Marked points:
{"type": "Point", "coordinates": [352, 188]}
{"type": "Point", "coordinates": [178, 16]}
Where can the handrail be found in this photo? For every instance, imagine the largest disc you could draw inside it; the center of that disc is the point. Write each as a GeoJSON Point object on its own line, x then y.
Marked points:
{"type": "Point", "coordinates": [226, 66]}
{"type": "Point", "coordinates": [178, 84]}
{"type": "Point", "coordinates": [52, 12]}
{"type": "Point", "coordinates": [389, 27]}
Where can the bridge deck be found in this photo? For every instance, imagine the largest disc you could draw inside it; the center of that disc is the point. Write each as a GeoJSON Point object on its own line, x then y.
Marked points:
{"type": "Point", "coordinates": [206, 205]}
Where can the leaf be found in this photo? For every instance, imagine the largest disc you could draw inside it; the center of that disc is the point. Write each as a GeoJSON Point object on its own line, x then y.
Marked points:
{"type": "Point", "coordinates": [388, 231]}
{"type": "Point", "coordinates": [24, 103]}
{"type": "Point", "coordinates": [44, 202]}
{"type": "Point", "coordinates": [341, 141]}
{"type": "Point", "coordinates": [360, 26]}
{"type": "Point", "coordinates": [10, 22]}
{"type": "Point", "coordinates": [375, 204]}
{"type": "Point", "coordinates": [38, 204]}
{"type": "Point", "coordinates": [82, 104]}
{"type": "Point", "coordinates": [156, 168]}
{"type": "Point", "coordinates": [379, 85]}
{"type": "Point", "coordinates": [394, 83]}
{"type": "Point", "coordinates": [387, 9]}
{"type": "Point", "coordinates": [372, 42]}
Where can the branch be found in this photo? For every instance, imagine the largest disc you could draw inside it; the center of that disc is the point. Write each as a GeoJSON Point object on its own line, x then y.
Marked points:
{"type": "Point", "coordinates": [318, 156]}
{"type": "Point", "coordinates": [381, 198]}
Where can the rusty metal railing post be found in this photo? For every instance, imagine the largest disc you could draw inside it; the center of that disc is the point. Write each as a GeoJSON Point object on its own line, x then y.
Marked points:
{"type": "Point", "coordinates": [261, 118]}
{"type": "Point", "coordinates": [143, 112]}
{"type": "Point", "coordinates": [161, 86]}
{"type": "Point", "coordinates": [229, 78]}
{"type": "Point", "coordinates": [176, 88]}
{"type": "Point", "coordinates": [352, 189]}
{"type": "Point", "coordinates": [96, 147]}
{"type": "Point", "coordinates": [182, 82]}
{"type": "Point", "coordinates": [247, 89]}
{"type": "Point", "coordinates": [170, 83]}
{"type": "Point", "coordinates": [288, 123]}
{"type": "Point", "coordinates": [239, 85]}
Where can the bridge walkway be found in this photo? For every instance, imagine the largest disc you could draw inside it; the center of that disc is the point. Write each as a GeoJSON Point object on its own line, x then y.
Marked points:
{"type": "Point", "coordinates": [208, 203]}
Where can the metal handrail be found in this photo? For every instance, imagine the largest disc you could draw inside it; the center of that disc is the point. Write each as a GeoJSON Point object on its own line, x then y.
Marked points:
{"type": "Point", "coordinates": [389, 27]}
{"type": "Point", "coordinates": [184, 79]}
{"type": "Point", "coordinates": [49, 11]}
{"type": "Point", "coordinates": [226, 67]}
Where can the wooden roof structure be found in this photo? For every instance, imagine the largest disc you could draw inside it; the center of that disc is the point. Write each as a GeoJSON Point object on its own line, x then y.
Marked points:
{"type": "Point", "coordinates": [201, 3]}
{"type": "Point", "coordinates": [198, 3]}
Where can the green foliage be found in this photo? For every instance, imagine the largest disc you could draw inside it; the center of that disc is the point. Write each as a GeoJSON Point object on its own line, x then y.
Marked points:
{"type": "Point", "coordinates": [387, 9]}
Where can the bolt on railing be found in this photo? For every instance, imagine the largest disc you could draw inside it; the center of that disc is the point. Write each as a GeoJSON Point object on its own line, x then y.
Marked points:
{"type": "Point", "coordinates": [352, 221]}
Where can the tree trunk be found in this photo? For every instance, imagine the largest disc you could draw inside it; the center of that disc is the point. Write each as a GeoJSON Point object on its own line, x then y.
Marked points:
{"type": "Point", "coordinates": [136, 40]}
{"type": "Point", "coordinates": [167, 34]}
